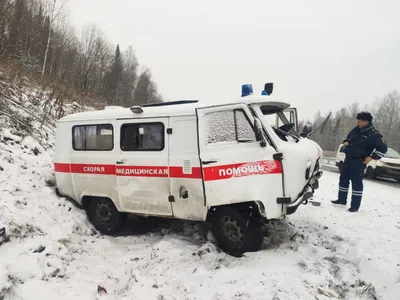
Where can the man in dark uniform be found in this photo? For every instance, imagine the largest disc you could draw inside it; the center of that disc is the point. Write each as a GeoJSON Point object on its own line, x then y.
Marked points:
{"type": "Point", "coordinates": [363, 144]}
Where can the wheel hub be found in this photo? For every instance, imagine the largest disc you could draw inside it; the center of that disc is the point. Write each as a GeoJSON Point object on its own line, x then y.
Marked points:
{"type": "Point", "coordinates": [232, 231]}
{"type": "Point", "coordinates": [103, 212]}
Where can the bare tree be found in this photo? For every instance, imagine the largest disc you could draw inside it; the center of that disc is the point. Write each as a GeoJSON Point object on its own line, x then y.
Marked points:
{"type": "Point", "coordinates": [353, 109]}
{"type": "Point", "coordinates": [90, 47]}
{"type": "Point", "coordinates": [38, 38]}
{"type": "Point", "coordinates": [386, 112]}
{"type": "Point", "coordinates": [5, 18]}
{"type": "Point", "coordinates": [130, 75]}
{"type": "Point", "coordinates": [387, 118]}
{"type": "Point", "coordinates": [53, 16]}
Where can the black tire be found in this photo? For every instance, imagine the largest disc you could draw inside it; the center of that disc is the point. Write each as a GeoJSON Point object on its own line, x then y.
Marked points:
{"type": "Point", "coordinates": [370, 173]}
{"type": "Point", "coordinates": [236, 233]}
{"type": "Point", "coordinates": [398, 180]}
{"type": "Point", "coordinates": [104, 215]}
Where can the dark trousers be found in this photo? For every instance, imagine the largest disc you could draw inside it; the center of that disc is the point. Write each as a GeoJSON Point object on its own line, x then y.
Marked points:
{"type": "Point", "coordinates": [353, 170]}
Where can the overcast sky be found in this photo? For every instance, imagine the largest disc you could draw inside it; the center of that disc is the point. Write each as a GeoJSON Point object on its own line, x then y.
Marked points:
{"type": "Point", "coordinates": [319, 54]}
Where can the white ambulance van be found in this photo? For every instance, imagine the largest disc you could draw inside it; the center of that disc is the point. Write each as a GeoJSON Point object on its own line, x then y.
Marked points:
{"type": "Point", "coordinates": [233, 164]}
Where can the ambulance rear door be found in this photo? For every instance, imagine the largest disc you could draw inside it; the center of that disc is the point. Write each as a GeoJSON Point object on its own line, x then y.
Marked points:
{"type": "Point", "coordinates": [142, 166]}
{"type": "Point", "coordinates": [184, 169]}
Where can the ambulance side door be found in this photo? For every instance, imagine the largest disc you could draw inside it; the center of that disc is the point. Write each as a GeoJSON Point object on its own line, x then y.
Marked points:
{"type": "Point", "coordinates": [184, 169]}
{"type": "Point", "coordinates": [142, 166]}
{"type": "Point", "coordinates": [235, 167]}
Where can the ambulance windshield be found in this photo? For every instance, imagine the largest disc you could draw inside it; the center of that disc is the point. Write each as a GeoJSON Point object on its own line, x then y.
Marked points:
{"type": "Point", "coordinates": [280, 122]}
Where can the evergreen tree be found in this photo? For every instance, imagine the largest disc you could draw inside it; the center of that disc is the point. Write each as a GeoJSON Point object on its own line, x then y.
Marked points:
{"type": "Point", "coordinates": [41, 40]}
{"type": "Point", "coordinates": [15, 46]}
{"type": "Point", "coordinates": [130, 76]}
{"type": "Point", "coordinates": [146, 91]}
{"type": "Point", "coordinates": [114, 79]}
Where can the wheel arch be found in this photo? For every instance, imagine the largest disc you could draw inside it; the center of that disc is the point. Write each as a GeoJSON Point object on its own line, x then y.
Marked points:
{"type": "Point", "coordinates": [250, 208]}
{"type": "Point", "coordinates": [87, 199]}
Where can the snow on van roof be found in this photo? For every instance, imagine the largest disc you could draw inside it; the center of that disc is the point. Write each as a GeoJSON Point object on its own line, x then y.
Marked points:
{"type": "Point", "coordinates": [172, 108]}
{"type": "Point", "coordinates": [124, 112]}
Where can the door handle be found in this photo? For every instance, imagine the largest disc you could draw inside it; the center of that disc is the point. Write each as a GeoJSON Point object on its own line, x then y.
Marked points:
{"type": "Point", "coordinates": [120, 162]}
{"type": "Point", "coordinates": [206, 162]}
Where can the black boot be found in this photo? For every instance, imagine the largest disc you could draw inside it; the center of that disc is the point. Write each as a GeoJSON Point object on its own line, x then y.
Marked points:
{"type": "Point", "coordinates": [339, 202]}
{"type": "Point", "coordinates": [351, 209]}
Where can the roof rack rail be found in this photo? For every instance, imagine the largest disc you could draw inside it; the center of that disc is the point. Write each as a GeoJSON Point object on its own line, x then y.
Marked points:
{"type": "Point", "coordinates": [178, 102]}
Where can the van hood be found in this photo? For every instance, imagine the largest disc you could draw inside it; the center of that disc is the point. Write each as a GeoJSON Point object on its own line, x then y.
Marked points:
{"type": "Point", "coordinates": [390, 160]}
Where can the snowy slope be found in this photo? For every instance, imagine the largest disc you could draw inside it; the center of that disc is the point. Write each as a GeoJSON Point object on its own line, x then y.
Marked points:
{"type": "Point", "coordinates": [53, 252]}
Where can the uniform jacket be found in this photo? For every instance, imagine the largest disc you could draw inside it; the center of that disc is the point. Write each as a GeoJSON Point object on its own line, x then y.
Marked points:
{"type": "Point", "coordinates": [364, 142]}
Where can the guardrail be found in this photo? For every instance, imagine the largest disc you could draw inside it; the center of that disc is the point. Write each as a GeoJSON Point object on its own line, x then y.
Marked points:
{"type": "Point", "coordinates": [330, 161]}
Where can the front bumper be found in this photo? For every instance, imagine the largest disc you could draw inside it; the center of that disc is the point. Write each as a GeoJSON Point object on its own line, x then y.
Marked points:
{"type": "Point", "coordinates": [388, 172]}
{"type": "Point", "coordinates": [306, 194]}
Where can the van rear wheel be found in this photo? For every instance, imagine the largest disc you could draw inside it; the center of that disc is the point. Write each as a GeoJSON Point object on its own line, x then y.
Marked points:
{"type": "Point", "coordinates": [235, 232]}
{"type": "Point", "coordinates": [104, 215]}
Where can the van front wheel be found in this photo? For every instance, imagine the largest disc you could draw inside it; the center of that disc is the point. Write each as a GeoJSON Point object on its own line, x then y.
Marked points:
{"type": "Point", "coordinates": [104, 215]}
{"type": "Point", "coordinates": [235, 232]}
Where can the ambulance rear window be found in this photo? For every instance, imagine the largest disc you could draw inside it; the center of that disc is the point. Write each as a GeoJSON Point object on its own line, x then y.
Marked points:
{"type": "Point", "coordinates": [142, 137]}
{"type": "Point", "coordinates": [96, 137]}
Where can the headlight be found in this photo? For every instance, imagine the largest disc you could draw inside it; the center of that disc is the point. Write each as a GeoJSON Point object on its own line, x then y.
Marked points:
{"type": "Point", "coordinates": [380, 163]}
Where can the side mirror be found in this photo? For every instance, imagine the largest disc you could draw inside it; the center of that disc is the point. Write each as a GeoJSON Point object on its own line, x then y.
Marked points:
{"type": "Point", "coordinates": [307, 129]}
{"type": "Point", "coordinates": [259, 132]}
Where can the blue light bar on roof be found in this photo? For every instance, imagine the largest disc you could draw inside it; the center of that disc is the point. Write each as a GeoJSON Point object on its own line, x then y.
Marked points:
{"type": "Point", "coordinates": [268, 88]}
{"type": "Point", "coordinates": [247, 89]}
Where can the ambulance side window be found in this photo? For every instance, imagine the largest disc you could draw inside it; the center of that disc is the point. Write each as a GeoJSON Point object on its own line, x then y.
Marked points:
{"type": "Point", "coordinates": [142, 137]}
{"type": "Point", "coordinates": [96, 137]}
{"type": "Point", "coordinates": [228, 126]}
{"type": "Point", "coordinates": [244, 130]}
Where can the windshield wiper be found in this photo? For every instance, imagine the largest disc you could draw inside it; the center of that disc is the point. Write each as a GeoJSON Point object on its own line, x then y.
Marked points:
{"type": "Point", "coordinates": [286, 133]}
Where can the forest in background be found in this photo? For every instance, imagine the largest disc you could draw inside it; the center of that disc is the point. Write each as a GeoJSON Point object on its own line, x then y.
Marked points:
{"type": "Point", "coordinates": [37, 39]}
{"type": "Point", "coordinates": [386, 113]}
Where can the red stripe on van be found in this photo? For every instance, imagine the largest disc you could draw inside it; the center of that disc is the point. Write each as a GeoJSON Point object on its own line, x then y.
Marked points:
{"type": "Point", "coordinates": [177, 172]}
{"type": "Point", "coordinates": [62, 168]}
{"type": "Point", "coordinates": [157, 171]}
{"type": "Point", "coordinates": [142, 171]}
{"type": "Point", "coordinates": [84, 168]}
{"type": "Point", "coordinates": [210, 173]}
{"type": "Point", "coordinates": [242, 169]}
{"type": "Point", "coordinates": [93, 169]}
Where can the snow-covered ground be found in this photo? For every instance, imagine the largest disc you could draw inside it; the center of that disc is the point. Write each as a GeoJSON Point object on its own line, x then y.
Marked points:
{"type": "Point", "coordinates": [320, 252]}
{"type": "Point", "coordinates": [53, 252]}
